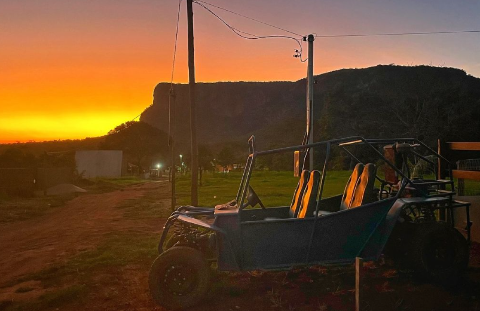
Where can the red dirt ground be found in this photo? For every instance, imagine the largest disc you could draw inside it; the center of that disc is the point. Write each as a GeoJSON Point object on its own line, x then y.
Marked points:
{"type": "Point", "coordinates": [29, 246]}
{"type": "Point", "coordinates": [33, 245]}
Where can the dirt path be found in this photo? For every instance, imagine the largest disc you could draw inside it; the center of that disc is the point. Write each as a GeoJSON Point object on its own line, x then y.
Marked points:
{"type": "Point", "coordinates": [32, 245]}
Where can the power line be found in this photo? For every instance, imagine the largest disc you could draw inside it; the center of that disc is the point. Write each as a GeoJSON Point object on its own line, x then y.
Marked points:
{"type": "Point", "coordinates": [341, 35]}
{"type": "Point", "coordinates": [250, 18]}
{"type": "Point", "coordinates": [250, 36]}
{"type": "Point", "coordinates": [397, 34]}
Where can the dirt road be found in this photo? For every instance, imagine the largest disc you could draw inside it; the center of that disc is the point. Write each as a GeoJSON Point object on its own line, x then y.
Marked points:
{"type": "Point", "coordinates": [81, 224]}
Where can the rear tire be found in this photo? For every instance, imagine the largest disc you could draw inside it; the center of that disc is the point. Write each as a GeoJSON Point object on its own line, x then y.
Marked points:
{"type": "Point", "coordinates": [439, 253]}
{"type": "Point", "coordinates": [179, 278]}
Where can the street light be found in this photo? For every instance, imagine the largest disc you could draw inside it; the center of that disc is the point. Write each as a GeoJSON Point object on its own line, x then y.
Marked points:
{"type": "Point", "coordinates": [181, 163]}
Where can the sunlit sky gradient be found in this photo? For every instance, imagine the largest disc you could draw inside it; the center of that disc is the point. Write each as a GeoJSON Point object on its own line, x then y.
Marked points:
{"type": "Point", "coordinates": [77, 68]}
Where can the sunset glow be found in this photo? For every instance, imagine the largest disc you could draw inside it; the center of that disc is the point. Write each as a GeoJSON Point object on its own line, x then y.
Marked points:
{"type": "Point", "coordinates": [76, 69]}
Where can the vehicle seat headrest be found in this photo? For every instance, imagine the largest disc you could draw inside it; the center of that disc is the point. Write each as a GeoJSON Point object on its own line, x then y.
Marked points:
{"type": "Point", "coordinates": [350, 187]}
{"type": "Point", "coordinates": [298, 194]}
{"type": "Point", "coordinates": [310, 196]}
{"type": "Point", "coordinates": [364, 191]}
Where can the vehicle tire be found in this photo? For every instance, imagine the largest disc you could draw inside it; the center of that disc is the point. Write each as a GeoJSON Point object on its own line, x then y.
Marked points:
{"type": "Point", "coordinates": [179, 278]}
{"type": "Point", "coordinates": [439, 253]}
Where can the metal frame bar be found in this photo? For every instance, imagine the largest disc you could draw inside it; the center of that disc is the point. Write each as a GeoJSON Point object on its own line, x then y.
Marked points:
{"type": "Point", "coordinates": [322, 182]}
{"type": "Point", "coordinates": [341, 142]}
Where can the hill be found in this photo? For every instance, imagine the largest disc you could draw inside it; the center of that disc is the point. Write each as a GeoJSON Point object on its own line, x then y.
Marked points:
{"type": "Point", "coordinates": [381, 101]}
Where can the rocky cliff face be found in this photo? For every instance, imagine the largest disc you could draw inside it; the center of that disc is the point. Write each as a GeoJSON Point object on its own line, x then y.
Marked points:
{"type": "Point", "coordinates": [381, 101]}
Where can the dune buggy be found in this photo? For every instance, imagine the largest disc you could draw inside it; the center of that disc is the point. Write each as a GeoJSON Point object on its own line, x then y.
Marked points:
{"type": "Point", "coordinates": [409, 218]}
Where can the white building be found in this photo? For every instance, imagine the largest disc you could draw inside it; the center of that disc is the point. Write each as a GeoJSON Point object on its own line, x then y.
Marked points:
{"type": "Point", "coordinates": [99, 163]}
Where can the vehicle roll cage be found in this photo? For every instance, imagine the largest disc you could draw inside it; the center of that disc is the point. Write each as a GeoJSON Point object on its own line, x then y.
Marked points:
{"type": "Point", "coordinates": [343, 143]}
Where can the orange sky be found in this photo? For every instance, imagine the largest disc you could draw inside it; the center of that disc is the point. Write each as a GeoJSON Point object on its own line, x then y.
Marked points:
{"type": "Point", "coordinates": [76, 69]}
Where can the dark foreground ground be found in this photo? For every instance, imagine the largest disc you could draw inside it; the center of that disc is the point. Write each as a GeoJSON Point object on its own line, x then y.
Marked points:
{"type": "Point", "coordinates": [93, 252]}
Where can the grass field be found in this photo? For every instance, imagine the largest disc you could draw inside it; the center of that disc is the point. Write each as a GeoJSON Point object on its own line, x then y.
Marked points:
{"type": "Point", "coordinates": [274, 188]}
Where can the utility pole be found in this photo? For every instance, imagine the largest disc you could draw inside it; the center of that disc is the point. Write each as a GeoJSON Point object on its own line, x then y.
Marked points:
{"type": "Point", "coordinates": [310, 40]}
{"type": "Point", "coordinates": [171, 141]}
{"type": "Point", "coordinates": [193, 115]}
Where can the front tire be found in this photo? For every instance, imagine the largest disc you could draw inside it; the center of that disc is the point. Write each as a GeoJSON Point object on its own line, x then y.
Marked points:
{"type": "Point", "coordinates": [179, 278]}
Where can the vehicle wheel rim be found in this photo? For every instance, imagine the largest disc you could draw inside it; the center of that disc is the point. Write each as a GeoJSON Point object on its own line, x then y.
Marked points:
{"type": "Point", "coordinates": [179, 280]}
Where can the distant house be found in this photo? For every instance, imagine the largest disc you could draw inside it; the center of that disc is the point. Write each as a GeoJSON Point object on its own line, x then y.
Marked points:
{"type": "Point", "coordinates": [99, 163]}
{"type": "Point", "coordinates": [226, 169]}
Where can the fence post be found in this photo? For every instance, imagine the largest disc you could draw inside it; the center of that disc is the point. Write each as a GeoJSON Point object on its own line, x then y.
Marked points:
{"type": "Point", "coordinates": [461, 186]}
{"type": "Point", "coordinates": [441, 150]}
{"type": "Point", "coordinates": [358, 282]}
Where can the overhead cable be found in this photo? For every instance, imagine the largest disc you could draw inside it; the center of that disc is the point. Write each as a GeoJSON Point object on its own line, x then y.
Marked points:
{"type": "Point", "coordinates": [250, 18]}
{"type": "Point", "coordinates": [397, 34]}
{"type": "Point", "coordinates": [250, 36]}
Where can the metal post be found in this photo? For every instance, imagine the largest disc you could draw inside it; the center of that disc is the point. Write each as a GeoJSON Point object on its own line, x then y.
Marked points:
{"type": "Point", "coordinates": [193, 121]}
{"type": "Point", "coordinates": [310, 40]}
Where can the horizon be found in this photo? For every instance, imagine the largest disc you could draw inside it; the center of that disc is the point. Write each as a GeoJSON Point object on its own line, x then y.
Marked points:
{"type": "Point", "coordinates": [74, 70]}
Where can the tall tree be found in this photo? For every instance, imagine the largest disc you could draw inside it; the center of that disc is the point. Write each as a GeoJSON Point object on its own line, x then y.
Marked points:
{"type": "Point", "coordinates": [138, 140]}
{"type": "Point", "coordinates": [226, 156]}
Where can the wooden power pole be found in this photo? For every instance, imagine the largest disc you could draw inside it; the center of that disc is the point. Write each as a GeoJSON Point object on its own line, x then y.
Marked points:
{"type": "Point", "coordinates": [310, 39]}
{"type": "Point", "coordinates": [193, 115]}
{"type": "Point", "coordinates": [171, 141]}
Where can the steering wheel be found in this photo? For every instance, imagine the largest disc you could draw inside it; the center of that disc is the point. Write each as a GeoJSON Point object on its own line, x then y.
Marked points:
{"type": "Point", "coordinates": [253, 199]}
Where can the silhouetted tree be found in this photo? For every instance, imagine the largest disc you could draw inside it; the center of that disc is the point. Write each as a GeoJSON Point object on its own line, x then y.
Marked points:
{"type": "Point", "coordinates": [226, 156]}
{"type": "Point", "coordinates": [16, 158]}
{"type": "Point", "coordinates": [138, 140]}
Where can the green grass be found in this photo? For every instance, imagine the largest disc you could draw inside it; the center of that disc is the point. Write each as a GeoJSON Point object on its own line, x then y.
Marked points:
{"type": "Point", "coordinates": [152, 204]}
{"type": "Point", "coordinates": [275, 188]}
{"type": "Point", "coordinates": [472, 187]}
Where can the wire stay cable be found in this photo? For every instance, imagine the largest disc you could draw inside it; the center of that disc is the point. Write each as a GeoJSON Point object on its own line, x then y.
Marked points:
{"type": "Point", "coordinates": [174, 55]}
{"type": "Point", "coordinates": [176, 40]}
{"type": "Point", "coordinates": [171, 96]}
